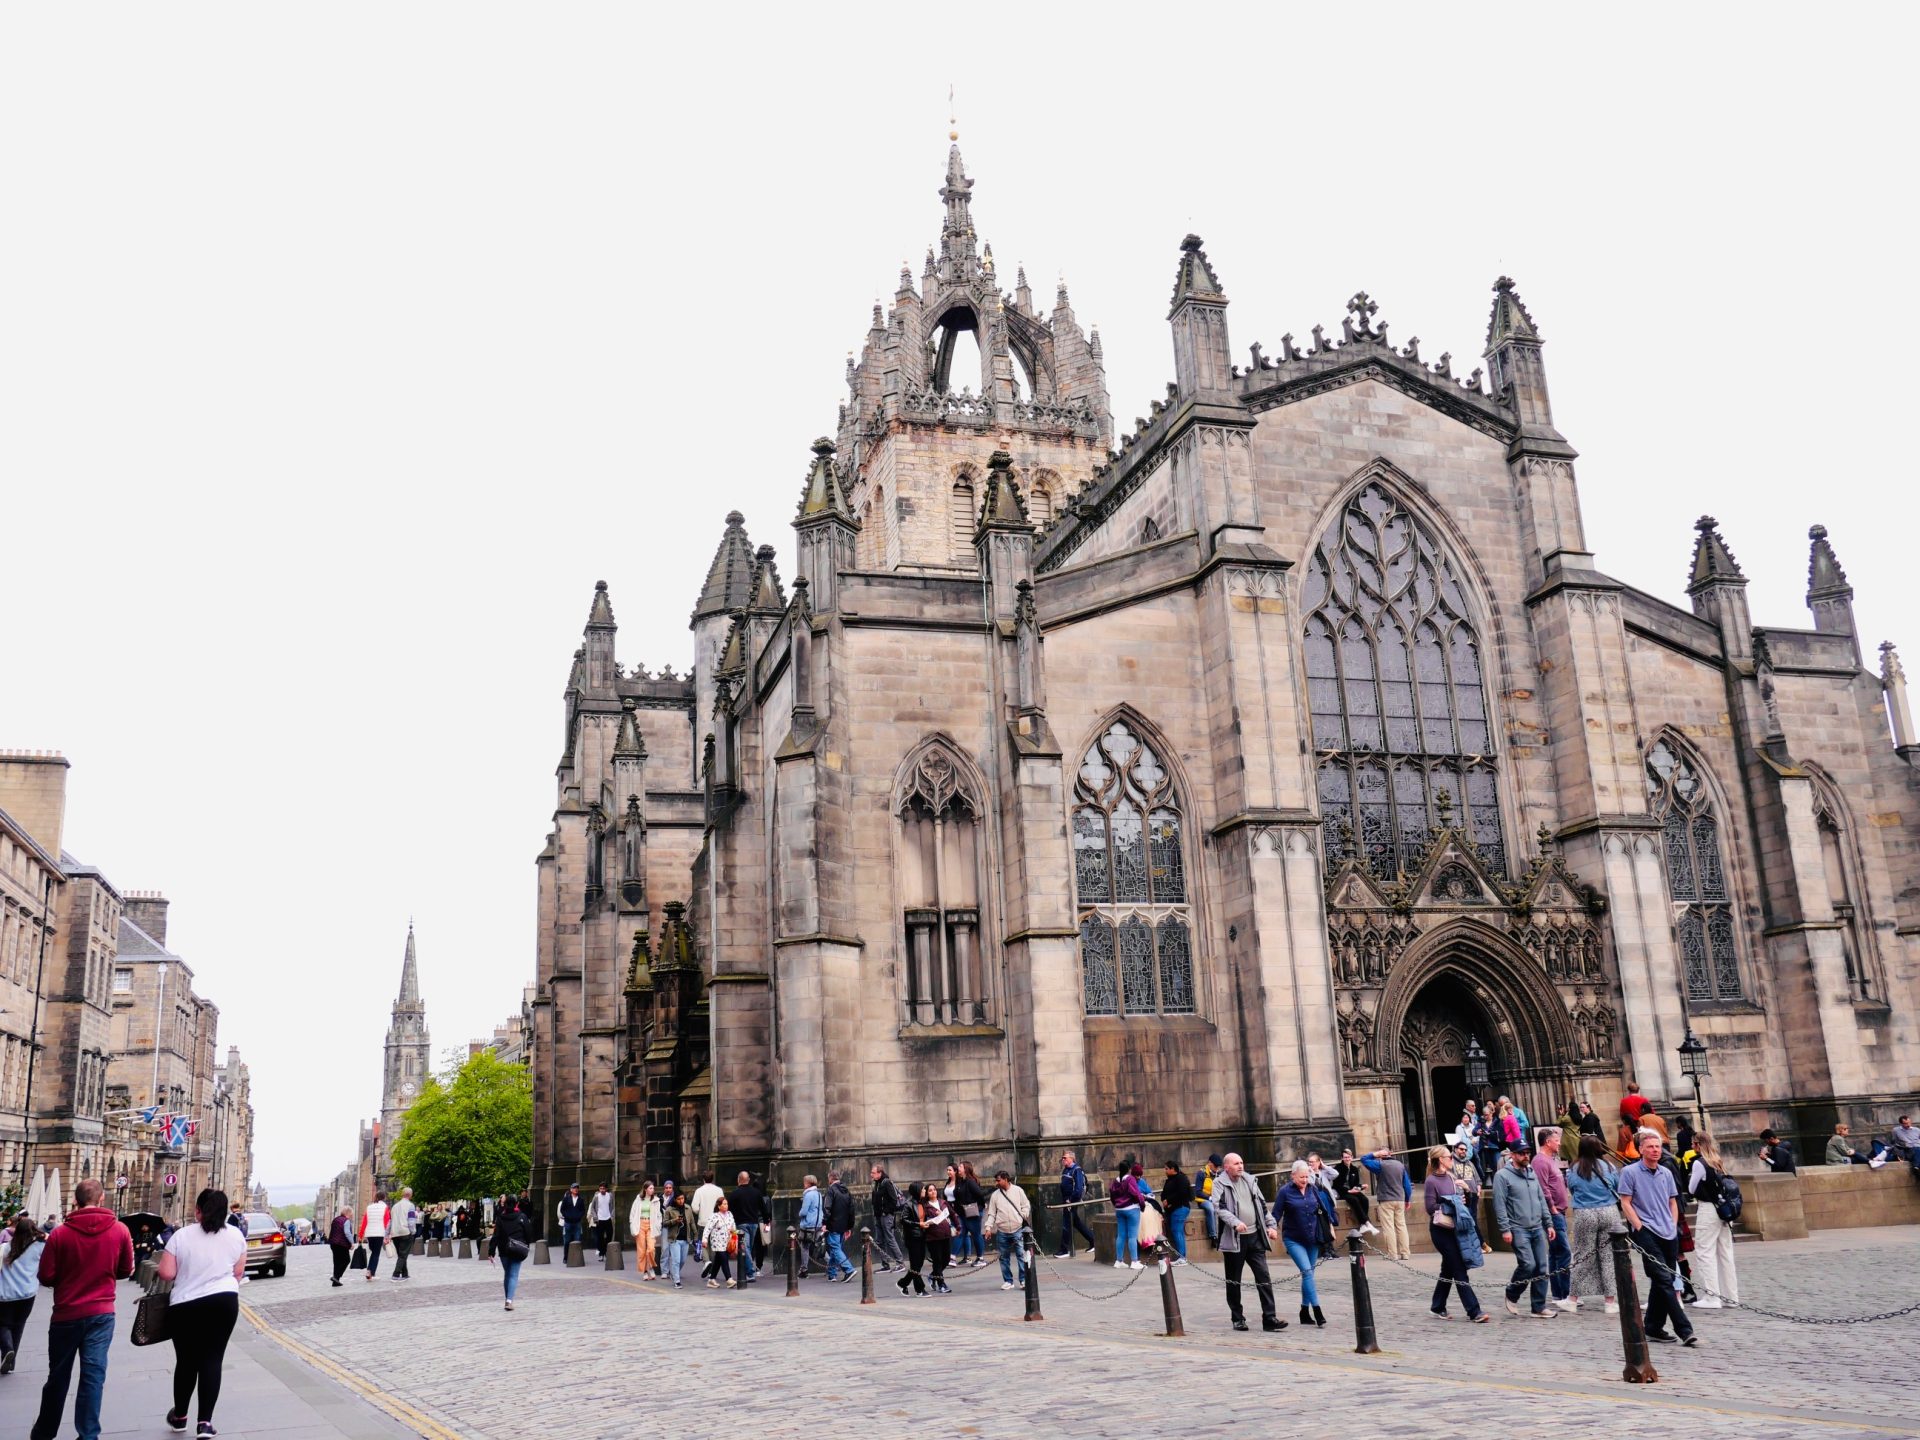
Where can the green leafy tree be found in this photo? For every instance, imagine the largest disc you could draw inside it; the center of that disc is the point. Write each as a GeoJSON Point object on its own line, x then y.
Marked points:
{"type": "Point", "coordinates": [469, 1134]}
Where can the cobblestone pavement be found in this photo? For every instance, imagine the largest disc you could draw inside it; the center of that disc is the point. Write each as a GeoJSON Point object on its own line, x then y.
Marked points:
{"type": "Point", "coordinates": [590, 1353]}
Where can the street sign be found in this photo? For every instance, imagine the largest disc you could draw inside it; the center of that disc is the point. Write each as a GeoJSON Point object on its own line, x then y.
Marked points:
{"type": "Point", "coordinates": [121, 1183]}
{"type": "Point", "coordinates": [172, 1180]}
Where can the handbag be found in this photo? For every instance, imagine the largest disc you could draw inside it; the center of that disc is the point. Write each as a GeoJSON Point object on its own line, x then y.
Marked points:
{"type": "Point", "coordinates": [153, 1317]}
{"type": "Point", "coordinates": [516, 1247]}
{"type": "Point", "coordinates": [359, 1261]}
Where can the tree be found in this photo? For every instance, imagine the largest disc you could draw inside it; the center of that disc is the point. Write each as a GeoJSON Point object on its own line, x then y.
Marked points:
{"type": "Point", "coordinates": [469, 1134]}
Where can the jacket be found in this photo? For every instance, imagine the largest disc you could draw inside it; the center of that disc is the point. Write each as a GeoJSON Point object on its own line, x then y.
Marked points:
{"type": "Point", "coordinates": [968, 1197]}
{"type": "Point", "coordinates": [1839, 1150]}
{"type": "Point", "coordinates": [373, 1224]}
{"type": "Point", "coordinates": [1300, 1212]}
{"type": "Point", "coordinates": [1518, 1201]}
{"type": "Point", "coordinates": [82, 1259]}
{"type": "Point", "coordinates": [645, 1211]}
{"type": "Point", "coordinates": [340, 1232]}
{"type": "Point", "coordinates": [839, 1208]}
{"type": "Point", "coordinates": [20, 1280]}
{"type": "Point", "coordinates": [1009, 1211]}
{"type": "Point", "coordinates": [404, 1219]}
{"type": "Point", "coordinates": [720, 1230]}
{"type": "Point", "coordinates": [1073, 1184]}
{"type": "Point", "coordinates": [810, 1209]}
{"type": "Point", "coordinates": [747, 1205]}
{"type": "Point", "coordinates": [1227, 1203]}
{"type": "Point", "coordinates": [516, 1225]}
{"type": "Point", "coordinates": [1177, 1193]}
{"type": "Point", "coordinates": [886, 1197]}
{"type": "Point", "coordinates": [573, 1208]}
{"type": "Point", "coordinates": [1123, 1194]}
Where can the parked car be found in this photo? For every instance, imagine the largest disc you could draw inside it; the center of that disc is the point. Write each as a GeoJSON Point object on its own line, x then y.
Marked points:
{"type": "Point", "coordinates": [266, 1244]}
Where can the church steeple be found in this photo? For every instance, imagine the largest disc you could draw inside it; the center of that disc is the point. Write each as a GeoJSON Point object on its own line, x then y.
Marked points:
{"type": "Point", "coordinates": [408, 1062]}
{"type": "Point", "coordinates": [409, 977]}
{"type": "Point", "coordinates": [957, 248]}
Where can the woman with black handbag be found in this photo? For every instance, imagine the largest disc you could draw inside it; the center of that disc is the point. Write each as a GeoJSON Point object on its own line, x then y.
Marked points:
{"type": "Point", "coordinates": [205, 1263]}
{"type": "Point", "coordinates": [340, 1241]}
{"type": "Point", "coordinates": [512, 1242]}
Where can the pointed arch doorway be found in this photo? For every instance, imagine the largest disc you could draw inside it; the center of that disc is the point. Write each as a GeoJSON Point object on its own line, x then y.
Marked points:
{"type": "Point", "coordinates": [1440, 1022]}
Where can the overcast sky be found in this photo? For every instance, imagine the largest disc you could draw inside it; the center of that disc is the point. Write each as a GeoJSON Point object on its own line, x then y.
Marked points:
{"type": "Point", "coordinates": [343, 347]}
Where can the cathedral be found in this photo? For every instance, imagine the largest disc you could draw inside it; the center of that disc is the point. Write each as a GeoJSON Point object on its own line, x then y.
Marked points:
{"type": "Point", "coordinates": [406, 1065]}
{"type": "Point", "coordinates": [1283, 770]}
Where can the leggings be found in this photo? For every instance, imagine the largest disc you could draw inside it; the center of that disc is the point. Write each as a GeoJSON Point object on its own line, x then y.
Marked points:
{"type": "Point", "coordinates": [939, 1252]}
{"type": "Point", "coordinates": [1453, 1271]}
{"type": "Point", "coordinates": [719, 1262]}
{"type": "Point", "coordinates": [13, 1323]}
{"type": "Point", "coordinates": [916, 1257]}
{"type": "Point", "coordinates": [201, 1329]}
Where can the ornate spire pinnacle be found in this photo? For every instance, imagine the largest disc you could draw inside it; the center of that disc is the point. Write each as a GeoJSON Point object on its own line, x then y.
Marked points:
{"type": "Point", "coordinates": [1195, 280]}
{"type": "Point", "coordinates": [600, 617]}
{"type": "Point", "coordinates": [1510, 320]}
{"type": "Point", "coordinates": [1893, 684]}
{"type": "Point", "coordinates": [1002, 507]}
{"type": "Point", "coordinates": [409, 977]}
{"type": "Point", "coordinates": [639, 970]}
{"type": "Point", "coordinates": [823, 495]}
{"type": "Point", "coordinates": [768, 597]}
{"type": "Point", "coordinates": [628, 744]}
{"type": "Point", "coordinates": [1824, 575]}
{"type": "Point", "coordinates": [733, 659]}
{"type": "Point", "coordinates": [730, 577]}
{"type": "Point", "coordinates": [1713, 562]}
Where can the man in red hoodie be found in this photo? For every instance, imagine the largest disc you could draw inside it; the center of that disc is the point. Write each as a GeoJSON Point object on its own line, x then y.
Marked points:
{"type": "Point", "coordinates": [83, 1259]}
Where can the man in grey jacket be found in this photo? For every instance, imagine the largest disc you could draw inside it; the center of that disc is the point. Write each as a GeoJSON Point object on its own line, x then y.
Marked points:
{"type": "Point", "coordinates": [1247, 1233]}
{"type": "Point", "coordinates": [1520, 1210]}
{"type": "Point", "coordinates": [403, 1223]}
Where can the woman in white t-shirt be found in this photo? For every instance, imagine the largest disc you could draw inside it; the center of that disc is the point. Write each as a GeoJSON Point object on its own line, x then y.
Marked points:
{"type": "Point", "coordinates": [205, 1262]}
{"type": "Point", "coordinates": [373, 1229]}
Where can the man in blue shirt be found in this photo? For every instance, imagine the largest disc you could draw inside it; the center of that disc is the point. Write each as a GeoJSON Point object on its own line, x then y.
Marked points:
{"type": "Point", "coordinates": [1073, 1189]}
{"type": "Point", "coordinates": [1651, 1206]}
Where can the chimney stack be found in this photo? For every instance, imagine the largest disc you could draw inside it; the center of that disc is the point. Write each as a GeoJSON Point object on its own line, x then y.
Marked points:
{"type": "Point", "coordinates": [148, 910]}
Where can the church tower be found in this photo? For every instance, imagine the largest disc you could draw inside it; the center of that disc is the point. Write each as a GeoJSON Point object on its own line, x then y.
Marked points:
{"type": "Point", "coordinates": [407, 1061]}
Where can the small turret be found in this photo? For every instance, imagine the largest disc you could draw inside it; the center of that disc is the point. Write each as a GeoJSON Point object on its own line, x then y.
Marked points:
{"type": "Point", "coordinates": [1829, 596]}
{"type": "Point", "coordinates": [1201, 360]}
{"type": "Point", "coordinates": [1718, 589]}
{"type": "Point", "coordinates": [826, 529]}
{"type": "Point", "coordinates": [599, 643]}
{"type": "Point", "coordinates": [729, 587]}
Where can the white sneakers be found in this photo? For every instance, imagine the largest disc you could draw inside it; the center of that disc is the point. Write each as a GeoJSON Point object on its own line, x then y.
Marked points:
{"type": "Point", "coordinates": [1706, 1303]}
{"type": "Point", "coordinates": [1119, 1264]}
{"type": "Point", "coordinates": [1367, 1227]}
{"type": "Point", "coordinates": [1613, 1307]}
{"type": "Point", "coordinates": [1134, 1266]}
{"type": "Point", "coordinates": [1569, 1305]}
{"type": "Point", "coordinates": [1008, 1285]}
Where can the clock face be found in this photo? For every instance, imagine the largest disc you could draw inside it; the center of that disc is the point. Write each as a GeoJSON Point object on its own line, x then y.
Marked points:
{"type": "Point", "coordinates": [406, 1091]}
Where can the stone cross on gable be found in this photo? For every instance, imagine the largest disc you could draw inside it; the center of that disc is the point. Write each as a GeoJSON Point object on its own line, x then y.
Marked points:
{"type": "Point", "coordinates": [1363, 308]}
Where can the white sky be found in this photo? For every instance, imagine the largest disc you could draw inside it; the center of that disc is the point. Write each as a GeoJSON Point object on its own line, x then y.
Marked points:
{"type": "Point", "coordinates": [343, 347]}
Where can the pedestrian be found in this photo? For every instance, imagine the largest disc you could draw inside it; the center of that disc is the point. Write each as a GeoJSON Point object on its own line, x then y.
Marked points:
{"type": "Point", "coordinates": [572, 1212]}
{"type": "Point", "coordinates": [970, 1200]}
{"type": "Point", "coordinates": [936, 1219]}
{"type": "Point", "coordinates": [1247, 1234]}
{"type": "Point", "coordinates": [914, 1235]}
{"type": "Point", "coordinates": [1547, 1168]}
{"type": "Point", "coordinates": [1840, 1149]}
{"type": "Point", "coordinates": [1073, 1194]}
{"type": "Point", "coordinates": [1392, 1189]}
{"type": "Point", "coordinates": [1455, 1237]}
{"type": "Point", "coordinates": [674, 1225]}
{"type": "Point", "coordinates": [20, 1253]}
{"type": "Point", "coordinates": [373, 1230]}
{"type": "Point", "coordinates": [839, 1226]}
{"type": "Point", "coordinates": [1127, 1204]}
{"type": "Point", "coordinates": [1466, 1174]}
{"type": "Point", "coordinates": [719, 1241]}
{"type": "Point", "coordinates": [748, 1206]}
{"type": "Point", "coordinates": [1521, 1215]}
{"type": "Point", "coordinates": [1349, 1179]}
{"type": "Point", "coordinates": [340, 1241]}
{"type": "Point", "coordinates": [1590, 1123]}
{"type": "Point", "coordinates": [205, 1263]}
{"type": "Point", "coordinates": [643, 1220]}
{"type": "Point", "coordinates": [1905, 1141]}
{"type": "Point", "coordinates": [1302, 1209]}
{"type": "Point", "coordinates": [705, 1201]}
{"type": "Point", "coordinates": [237, 1218]}
{"type": "Point", "coordinates": [83, 1258]}
{"type": "Point", "coordinates": [811, 1219]}
{"type": "Point", "coordinates": [1176, 1194]}
{"type": "Point", "coordinates": [885, 1198]}
{"type": "Point", "coordinates": [1593, 1221]}
{"type": "Point", "coordinates": [1777, 1154]}
{"type": "Point", "coordinates": [511, 1243]}
{"type": "Point", "coordinates": [1322, 1175]}
{"type": "Point", "coordinates": [404, 1222]}
{"type": "Point", "coordinates": [602, 1219]}
{"type": "Point", "coordinates": [1203, 1183]}
{"type": "Point", "coordinates": [1651, 1206]}
{"type": "Point", "coordinates": [1708, 1183]}
{"type": "Point", "coordinates": [1008, 1214]}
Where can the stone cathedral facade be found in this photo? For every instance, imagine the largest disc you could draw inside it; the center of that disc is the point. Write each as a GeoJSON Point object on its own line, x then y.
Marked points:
{"type": "Point", "coordinates": [1218, 788]}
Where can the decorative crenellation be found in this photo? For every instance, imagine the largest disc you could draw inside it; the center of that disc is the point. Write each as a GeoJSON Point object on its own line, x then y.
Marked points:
{"type": "Point", "coordinates": [1357, 330]}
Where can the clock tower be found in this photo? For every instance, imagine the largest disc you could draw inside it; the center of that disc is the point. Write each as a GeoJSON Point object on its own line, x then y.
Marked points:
{"type": "Point", "coordinates": [407, 1060]}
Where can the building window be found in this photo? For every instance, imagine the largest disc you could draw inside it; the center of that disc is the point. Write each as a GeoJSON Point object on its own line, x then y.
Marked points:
{"type": "Point", "coordinates": [1397, 694]}
{"type": "Point", "coordinates": [962, 514]}
{"type": "Point", "coordinates": [1696, 875]}
{"type": "Point", "coordinates": [122, 980]}
{"type": "Point", "coordinates": [940, 852]}
{"type": "Point", "coordinates": [1039, 498]}
{"type": "Point", "coordinates": [1130, 881]}
{"type": "Point", "coordinates": [1855, 933]}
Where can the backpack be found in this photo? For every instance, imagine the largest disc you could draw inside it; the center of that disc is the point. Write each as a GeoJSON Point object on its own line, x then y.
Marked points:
{"type": "Point", "coordinates": [1729, 1202]}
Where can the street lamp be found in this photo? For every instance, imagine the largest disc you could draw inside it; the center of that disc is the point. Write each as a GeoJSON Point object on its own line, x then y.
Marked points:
{"type": "Point", "coordinates": [1693, 1065]}
{"type": "Point", "coordinates": [1476, 1065]}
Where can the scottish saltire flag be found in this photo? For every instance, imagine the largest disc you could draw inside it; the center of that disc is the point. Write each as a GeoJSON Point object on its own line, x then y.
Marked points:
{"type": "Point", "coordinates": [177, 1132]}
{"type": "Point", "coordinates": [150, 1115]}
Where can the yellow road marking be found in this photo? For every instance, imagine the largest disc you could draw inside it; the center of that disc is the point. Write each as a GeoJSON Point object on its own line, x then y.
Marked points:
{"type": "Point", "coordinates": [415, 1420]}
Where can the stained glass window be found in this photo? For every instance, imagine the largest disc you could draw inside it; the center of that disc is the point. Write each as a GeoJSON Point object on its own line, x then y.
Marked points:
{"type": "Point", "coordinates": [1696, 876]}
{"type": "Point", "coordinates": [1130, 881]}
{"type": "Point", "coordinates": [1395, 693]}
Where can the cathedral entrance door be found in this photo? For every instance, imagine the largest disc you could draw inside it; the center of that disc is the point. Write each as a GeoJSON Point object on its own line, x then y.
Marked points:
{"type": "Point", "coordinates": [1433, 1047]}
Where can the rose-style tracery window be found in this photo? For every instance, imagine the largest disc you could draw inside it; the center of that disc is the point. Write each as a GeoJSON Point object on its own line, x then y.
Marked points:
{"type": "Point", "coordinates": [1696, 876]}
{"type": "Point", "coordinates": [1396, 691]}
{"type": "Point", "coordinates": [1130, 881]}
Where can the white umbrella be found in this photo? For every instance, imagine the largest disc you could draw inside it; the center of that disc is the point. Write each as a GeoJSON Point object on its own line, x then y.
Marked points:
{"type": "Point", "coordinates": [37, 1194]}
{"type": "Point", "coordinates": [56, 1194]}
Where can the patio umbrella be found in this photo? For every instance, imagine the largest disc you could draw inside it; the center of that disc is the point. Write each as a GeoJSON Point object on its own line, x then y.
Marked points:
{"type": "Point", "coordinates": [37, 1194]}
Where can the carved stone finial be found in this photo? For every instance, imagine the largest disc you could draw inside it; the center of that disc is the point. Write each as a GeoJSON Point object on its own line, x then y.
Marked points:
{"type": "Point", "coordinates": [1545, 837]}
{"type": "Point", "coordinates": [1362, 308]}
{"type": "Point", "coordinates": [1891, 670]}
{"type": "Point", "coordinates": [1443, 805]}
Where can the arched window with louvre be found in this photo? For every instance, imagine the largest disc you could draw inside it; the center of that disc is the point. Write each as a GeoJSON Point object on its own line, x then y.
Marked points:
{"type": "Point", "coordinates": [1697, 879]}
{"type": "Point", "coordinates": [962, 514]}
{"type": "Point", "coordinates": [939, 807]}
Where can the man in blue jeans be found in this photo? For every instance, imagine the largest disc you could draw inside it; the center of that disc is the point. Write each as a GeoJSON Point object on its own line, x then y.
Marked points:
{"type": "Point", "coordinates": [1520, 1210]}
{"type": "Point", "coordinates": [839, 1221]}
{"type": "Point", "coordinates": [1553, 1184]}
{"type": "Point", "coordinates": [1010, 1214]}
{"type": "Point", "coordinates": [82, 1260]}
{"type": "Point", "coordinates": [573, 1214]}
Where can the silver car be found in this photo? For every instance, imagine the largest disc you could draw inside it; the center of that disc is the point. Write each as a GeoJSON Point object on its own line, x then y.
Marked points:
{"type": "Point", "coordinates": [266, 1244]}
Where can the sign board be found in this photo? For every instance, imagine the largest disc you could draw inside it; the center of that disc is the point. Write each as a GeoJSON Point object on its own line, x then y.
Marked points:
{"type": "Point", "coordinates": [172, 1180]}
{"type": "Point", "coordinates": [121, 1183]}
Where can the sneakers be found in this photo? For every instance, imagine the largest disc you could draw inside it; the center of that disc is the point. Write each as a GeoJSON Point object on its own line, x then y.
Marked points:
{"type": "Point", "coordinates": [1613, 1307]}
{"type": "Point", "coordinates": [174, 1422]}
{"type": "Point", "coordinates": [1659, 1337]}
{"type": "Point", "coordinates": [6, 1368]}
{"type": "Point", "coordinates": [509, 1304]}
{"type": "Point", "coordinates": [733, 1284]}
{"type": "Point", "coordinates": [1008, 1285]}
{"type": "Point", "coordinates": [1239, 1324]}
{"type": "Point", "coordinates": [1708, 1304]}
{"type": "Point", "coordinates": [206, 1430]}
{"type": "Point", "coordinates": [1547, 1314]}
{"type": "Point", "coordinates": [1439, 1314]}
{"type": "Point", "coordinates": [1119, 1264]}
{"type": "Point", "coordinates": [713, 1284]}
{"type": "Point", "coordinates": [1569, 1305]}
{"type": "Point", "coordinates": [1367, 1227]}
{"type": "Point", "coordinates": [1513, 1309]}
{"type": "Point", "coordinates": [1063, 1255]}
{"type": "Point", "coordinates": [1691, 1342]}
{"type": "Point", "coordinates": [1134, 1266]}
{"type": "Point", "coordinates": [1179, 1260]}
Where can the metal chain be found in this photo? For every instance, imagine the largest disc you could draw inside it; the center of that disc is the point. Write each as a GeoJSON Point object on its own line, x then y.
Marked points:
{"type": "Point", "coordinates": [1132, 1279]}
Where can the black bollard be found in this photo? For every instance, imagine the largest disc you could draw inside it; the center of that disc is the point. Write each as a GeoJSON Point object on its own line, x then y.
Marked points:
{"type": "Point", "coordinates": [1633, 1333]}
{"type": "Point", "coordinates": [1365, 1342]}
{"type": "Point", "coordinates": [793, 1261]}
{"type": "Point", "coordinates": [866, 1266]}
{"type": "Point", "coordinates": [1026, 1241]}
{"type": "Point", "coordinates": [1169, 1297]}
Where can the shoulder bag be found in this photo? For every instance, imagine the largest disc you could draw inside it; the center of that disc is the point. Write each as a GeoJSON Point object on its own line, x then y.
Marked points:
{"type": "Point", "coordinates": [153, 1316]}
{"type": "Point", "coordinates": [359, 1261]}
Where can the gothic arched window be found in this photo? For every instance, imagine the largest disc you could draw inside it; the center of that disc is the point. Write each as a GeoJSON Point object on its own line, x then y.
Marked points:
{"type": "Point", "coordinates": [1396, 691]}
{"type": "Point", "coordinates": [1696, 875]}
{"type": "Point", "coordinates": [1844, 889]}
{"type": "Point", "coordinates": [940, 870]}
{"type": "Point", "coordinates": [1130, 881]}
{"type": "Point", "coordinates": [1039, 498]}
{"type": "Point", "coordinates": [962, 516]}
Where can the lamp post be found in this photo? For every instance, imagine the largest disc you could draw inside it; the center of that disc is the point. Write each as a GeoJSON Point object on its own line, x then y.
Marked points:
{"type": "Point", "coordinates": [1693, 1065]}
{"type": "Point", "coordinates": [1476, 1067]}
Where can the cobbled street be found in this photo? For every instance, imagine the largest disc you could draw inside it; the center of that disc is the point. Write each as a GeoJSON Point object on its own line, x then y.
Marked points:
{"type": "Point", "coordinates": [591, 1353]}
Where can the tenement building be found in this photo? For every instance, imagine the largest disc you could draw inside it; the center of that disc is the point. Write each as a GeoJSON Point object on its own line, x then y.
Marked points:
{"type": "Point", "coordinates": [1230, 787]}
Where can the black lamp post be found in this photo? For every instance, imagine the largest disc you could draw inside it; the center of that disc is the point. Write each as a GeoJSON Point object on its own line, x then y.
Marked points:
{"type": "Point", "coordinates": [1693, 1065]}
{"type": "Point", "coordinates": [1476, 1068]}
